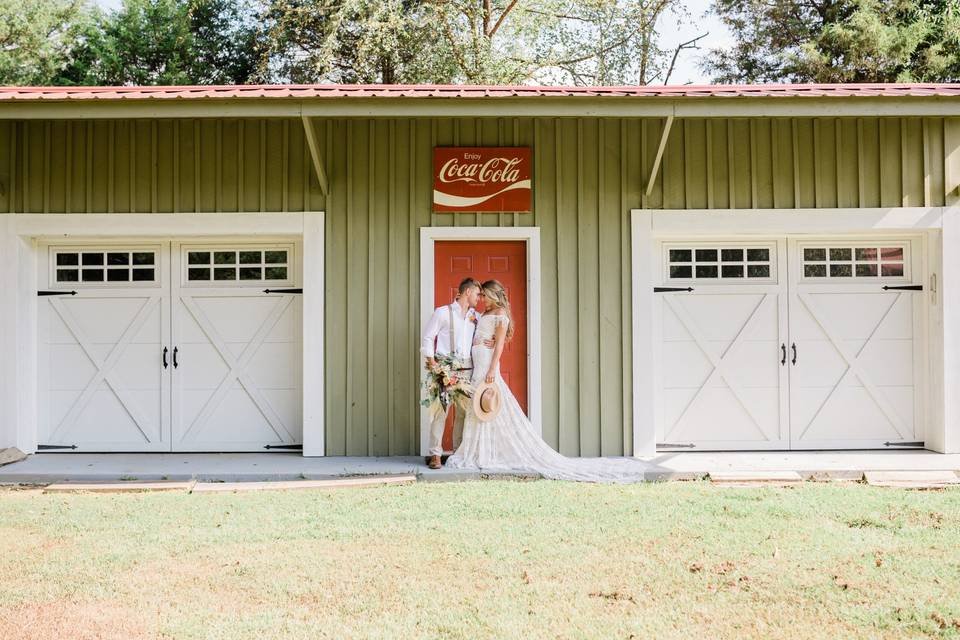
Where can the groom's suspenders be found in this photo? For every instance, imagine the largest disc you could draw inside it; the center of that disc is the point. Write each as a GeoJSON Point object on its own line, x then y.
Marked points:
{"type": "Point", "coordinates": [453, 333]}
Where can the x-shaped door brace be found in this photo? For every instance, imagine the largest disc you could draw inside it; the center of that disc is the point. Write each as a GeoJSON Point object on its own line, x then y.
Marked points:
{"type": "Point", "coordinates": [238, 368]}
{"type": "Point", "coordinates": [854, 366]}
{"type": "Point", "coordinates": [720, 366]}
{"type": "Point", "coordinates": [104, 366]}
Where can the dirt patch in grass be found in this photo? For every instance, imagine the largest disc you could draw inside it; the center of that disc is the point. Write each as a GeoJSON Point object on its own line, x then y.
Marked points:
{"type": "Point", "coordinates": [59, 620]}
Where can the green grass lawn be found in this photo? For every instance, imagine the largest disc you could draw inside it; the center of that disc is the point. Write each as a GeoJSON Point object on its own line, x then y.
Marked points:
{"type": "Point", "coordinates": [484, 560]}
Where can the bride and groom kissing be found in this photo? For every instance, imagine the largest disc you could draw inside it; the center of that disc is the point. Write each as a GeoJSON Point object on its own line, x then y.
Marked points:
{"type": "Point", "coordinates": [494, 434]}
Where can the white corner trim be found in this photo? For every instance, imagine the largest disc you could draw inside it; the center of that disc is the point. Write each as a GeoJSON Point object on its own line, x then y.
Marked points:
{"type": "Point", "coordinates": [642, 279]}
{"type": "Point", "coordinates": [531, 235]}
{"type": "Point", "coordinates": [949, 292]}
{"type": "Point", "coordinates": [314, 336]}
{"type": "Point", "coordinates": [709, 222]}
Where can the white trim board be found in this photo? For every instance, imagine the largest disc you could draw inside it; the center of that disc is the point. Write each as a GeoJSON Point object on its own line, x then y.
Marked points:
{"type": "Point", "coordinates": [531, 235]}
{"type": "Point", "coordinates": [19, 235]}
{"type": "Point", "coordinates": [711, 222]}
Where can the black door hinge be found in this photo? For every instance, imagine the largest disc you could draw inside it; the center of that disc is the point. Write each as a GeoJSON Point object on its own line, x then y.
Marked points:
{"type": "Point", "coordinates": [906, 287]}
{"type": "Point", "coordinates": [50, 447]}
{"type": "Point", "coordinates": [56, 293]}
{"type": "Point", "coordinates": [675, 445]}
{"type": "Point", "coordinates": [669, 289]}
{"type": "Point", "coordinates": [292, 447]}
{"type": "Point", "coordinates": [903, 444]}
{"type": "Point", "coordinates": [283, 290]}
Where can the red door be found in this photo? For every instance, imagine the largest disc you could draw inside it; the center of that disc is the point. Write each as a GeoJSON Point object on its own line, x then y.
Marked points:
{"type": "Point", "coordinates": [506, 261]}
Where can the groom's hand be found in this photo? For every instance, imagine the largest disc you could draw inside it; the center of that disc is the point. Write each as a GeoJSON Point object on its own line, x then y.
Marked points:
{"type": "Point", "coordinates": [490, 343]}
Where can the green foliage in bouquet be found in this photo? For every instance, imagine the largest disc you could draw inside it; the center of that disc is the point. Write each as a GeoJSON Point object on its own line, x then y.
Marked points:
{"type": "Point", "coordinates": [446, 383]}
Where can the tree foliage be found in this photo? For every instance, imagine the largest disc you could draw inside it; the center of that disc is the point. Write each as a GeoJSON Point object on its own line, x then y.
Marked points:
{"type": "Point", "coordinates": [38, 37]}
{"type": "Point", "coordinates": [473, 41]}
{"type": "Point", "coordinates": [839, 41]}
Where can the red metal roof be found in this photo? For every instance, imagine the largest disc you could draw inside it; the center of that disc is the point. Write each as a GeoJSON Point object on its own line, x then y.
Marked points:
{"type": "Point", "coordinates": [8, 94]}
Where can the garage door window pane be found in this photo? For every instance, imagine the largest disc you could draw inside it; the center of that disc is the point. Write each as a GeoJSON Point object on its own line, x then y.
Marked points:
{"type": "Point", "coordinates": [68, 275]}
{"type": "Point", "coordinates": [143, 275]}
{"type": "Point", "coordinates": [731, 255]}
{"type": "Point", "coordinates": [758, 271]}
{"type": "Point", "coordinates": [198, 274]}
{"type": "Point", "coordinates": [866, 270]}
{"type": "Point", "coordinates": [758, 255]}
{"type": "Point", "coordinates": [250, 273]}
{"type": "Point", "coordinates": [93, 275]}
{"type": "Point", "coordinates": [732, 271]}
{"type": "Point", "coordinates": [681, 255]}
{"type": "Point", "coordinates": [118, 275]}
{"type": "Point", "coordinates": [250, 257]}
{"type": "Point", "coordinates": [891, 270]}
{"type": "Point", "coordinates": [224, 257]}
{"type": "Point", "coordinates": [681, 271]}
{"type": "Point", "coordinates": [280, 273]}
{"type": "Point", "coordinates": [841, 270]}
{"type": "Point", "coordinates": [92, 259]}
{"type": "Point", "coordinates": [198, 257]}
{"type": "Point", "coordinates": [706, 271]}
{"type": "Point", "coordinates": [706, 255]}
{"type": "Point", "coordinates": [118, 259]}
{"type": "Point", "coordinates": [68, 259]}
{"type": "Point", "coordinates": [225, 274]}
{"type": "Point", "coordinates": [141, 258]}
{"type": "Point", "coordinates": [815, 270]}
{"type": "Point", "coordinates": [815, 255]}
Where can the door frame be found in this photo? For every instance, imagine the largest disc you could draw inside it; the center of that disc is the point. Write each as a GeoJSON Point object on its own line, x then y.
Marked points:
{"type": "Point", "coordinates": [21, 235]}
{"type": "Point", "coordinates": [936, 225]}
{"type": "Point", "coordinates": [529, 235]}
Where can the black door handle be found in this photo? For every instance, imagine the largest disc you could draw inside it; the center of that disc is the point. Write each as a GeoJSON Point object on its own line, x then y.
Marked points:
{"type": "Point", "coordinates": [792, 346]}
{"type": "Point", "coordinates": [165, 365]}
{"type": "Point", "coordinates": [175, 363]}
{"type": "Point", "coordinates": [783, 349]}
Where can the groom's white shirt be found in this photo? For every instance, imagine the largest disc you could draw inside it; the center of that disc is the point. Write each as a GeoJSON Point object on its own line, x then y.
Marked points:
{"type": "Point", "coordinates": [436, 335]}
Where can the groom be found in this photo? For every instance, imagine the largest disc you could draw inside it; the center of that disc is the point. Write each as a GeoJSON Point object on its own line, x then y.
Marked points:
{"type": "Point", "coordinates": [450, 331]}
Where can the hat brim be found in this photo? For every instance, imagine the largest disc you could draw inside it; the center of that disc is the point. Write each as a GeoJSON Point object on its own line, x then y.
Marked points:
{"type": "Point", "coordinates": [485, 415]}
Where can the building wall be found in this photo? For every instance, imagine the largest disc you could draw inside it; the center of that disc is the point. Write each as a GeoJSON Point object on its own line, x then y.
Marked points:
{"type": "Point", "coordinates": [588, 173]}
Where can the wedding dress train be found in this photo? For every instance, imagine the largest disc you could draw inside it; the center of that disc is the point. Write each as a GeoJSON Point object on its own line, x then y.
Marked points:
{"type": "Point", "coordinates": [510, 443]}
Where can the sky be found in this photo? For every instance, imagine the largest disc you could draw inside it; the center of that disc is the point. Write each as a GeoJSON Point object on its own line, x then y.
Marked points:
{"type": "Point", "coordinates": [701, 20]}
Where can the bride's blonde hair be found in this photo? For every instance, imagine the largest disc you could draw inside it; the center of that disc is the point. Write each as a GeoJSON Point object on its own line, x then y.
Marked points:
{"type": "Point", "coordinates": [495, 293]}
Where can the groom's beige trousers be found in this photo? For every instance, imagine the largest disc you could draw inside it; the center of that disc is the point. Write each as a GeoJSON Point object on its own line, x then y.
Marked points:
{"type": "Point", "coordinates": [436, 431]}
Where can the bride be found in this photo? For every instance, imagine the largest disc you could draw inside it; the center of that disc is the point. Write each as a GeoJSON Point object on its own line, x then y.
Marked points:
{"type": "Point", "coordinates": [508, 441]}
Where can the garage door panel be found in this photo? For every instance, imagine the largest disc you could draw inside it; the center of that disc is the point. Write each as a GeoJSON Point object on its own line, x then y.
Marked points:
{"type": "Point", "coordinates": [720, 317]}
{"type": "Point", "coordinates": [889, 362]}
{"type": "Point", "coordinates": [684, 364]}
{"type": "Point", "coordinates": [820, 422]}
{"type": "Point", "coordinates": [713, 414]}
{"type": "Point", "coordinates": [271, 366]}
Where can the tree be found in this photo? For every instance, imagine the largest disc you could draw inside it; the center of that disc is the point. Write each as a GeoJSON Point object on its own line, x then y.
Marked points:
{"type": "Point", "coordinates": [159, 42]}
{"type": "Point", "coordinates": [838, 41]}
{"type": "Point", "coordinates": [38, 38]}
{"type": "Point", "coordinates": [474, 41]}
{"type": "Point", "coordinates": [352, 41]}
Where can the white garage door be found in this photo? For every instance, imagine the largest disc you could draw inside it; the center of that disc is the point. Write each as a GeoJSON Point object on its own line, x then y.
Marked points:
{"type": "Point", "coordinates": [789, 344]}
{"type": "Point", "coordinates": [170, 347]}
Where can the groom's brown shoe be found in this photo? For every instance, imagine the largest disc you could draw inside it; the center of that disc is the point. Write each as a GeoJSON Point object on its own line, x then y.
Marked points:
{"type": "Point", "coordinates": [434, 462]}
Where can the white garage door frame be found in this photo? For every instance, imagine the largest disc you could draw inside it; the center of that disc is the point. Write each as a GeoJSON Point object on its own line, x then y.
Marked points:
{"type": "Point", "coordinates": [938, 228]}
{"type": "Point", "coordinates": [20, 237]}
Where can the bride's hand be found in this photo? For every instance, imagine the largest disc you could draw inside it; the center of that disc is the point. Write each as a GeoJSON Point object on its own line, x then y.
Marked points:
{"type": "Point", "coordinates": [489, 378]}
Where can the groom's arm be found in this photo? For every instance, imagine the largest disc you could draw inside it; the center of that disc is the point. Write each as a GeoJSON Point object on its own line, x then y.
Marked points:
{"type": "Point", "coordinates": [430, 333]}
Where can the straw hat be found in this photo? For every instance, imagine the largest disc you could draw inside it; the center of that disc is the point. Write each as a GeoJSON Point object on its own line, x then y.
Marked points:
{"type": "Point", "coordinates": [486, 401]}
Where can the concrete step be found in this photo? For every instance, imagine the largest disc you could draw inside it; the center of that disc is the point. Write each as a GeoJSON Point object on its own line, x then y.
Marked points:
{"type": "Point", "coordinates": [117, 487]}
{"type": "Point", "coordinates": [912, 479]}
{"type": "Point", "coordinates": [288, 485]}
{"type": "Point", "coordinates": [755, 477]}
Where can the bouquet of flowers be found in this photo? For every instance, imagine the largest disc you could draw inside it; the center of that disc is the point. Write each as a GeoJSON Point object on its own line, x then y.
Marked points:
{"type": "Point", "coordinates": [446, 383]}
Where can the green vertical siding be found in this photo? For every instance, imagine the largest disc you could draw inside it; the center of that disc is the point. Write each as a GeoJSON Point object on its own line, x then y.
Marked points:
{"type": "Point", "coordinates": [588, 174]}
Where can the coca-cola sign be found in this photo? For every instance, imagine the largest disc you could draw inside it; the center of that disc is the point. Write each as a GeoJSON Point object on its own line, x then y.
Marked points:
{"type": "Point", "coordinates": [481, 179]}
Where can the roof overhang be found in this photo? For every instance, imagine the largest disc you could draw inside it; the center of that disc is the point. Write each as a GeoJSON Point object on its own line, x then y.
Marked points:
{"type": "Point", "coordinates": [359, 101]}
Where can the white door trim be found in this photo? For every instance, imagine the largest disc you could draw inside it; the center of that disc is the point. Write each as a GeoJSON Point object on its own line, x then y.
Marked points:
{"type": "Point", "coordinates": [941, 434]}
{"type": "Point", "coordinates": [19, 236]}
{"type": "Point", "coordinates": [531, 235]}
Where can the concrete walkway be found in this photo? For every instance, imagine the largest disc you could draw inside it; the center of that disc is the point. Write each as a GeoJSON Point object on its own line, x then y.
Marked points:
{"type": "Point", "coordinates": [47, 468]}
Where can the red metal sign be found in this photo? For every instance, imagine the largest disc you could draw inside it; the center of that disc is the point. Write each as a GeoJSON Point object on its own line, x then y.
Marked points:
{"type": "Point", "coordinates": [481, 179]}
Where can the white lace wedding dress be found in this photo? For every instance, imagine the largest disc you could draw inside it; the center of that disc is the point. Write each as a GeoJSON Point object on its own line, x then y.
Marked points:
{"type": "Point", "coordinates": [509, 442]}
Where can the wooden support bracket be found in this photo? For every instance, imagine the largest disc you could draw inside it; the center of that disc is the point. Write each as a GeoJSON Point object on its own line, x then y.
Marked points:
{"type": "Point", "coordinates": [315, 154]}
{"type": "Point", "coordinates": [656, 161]}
